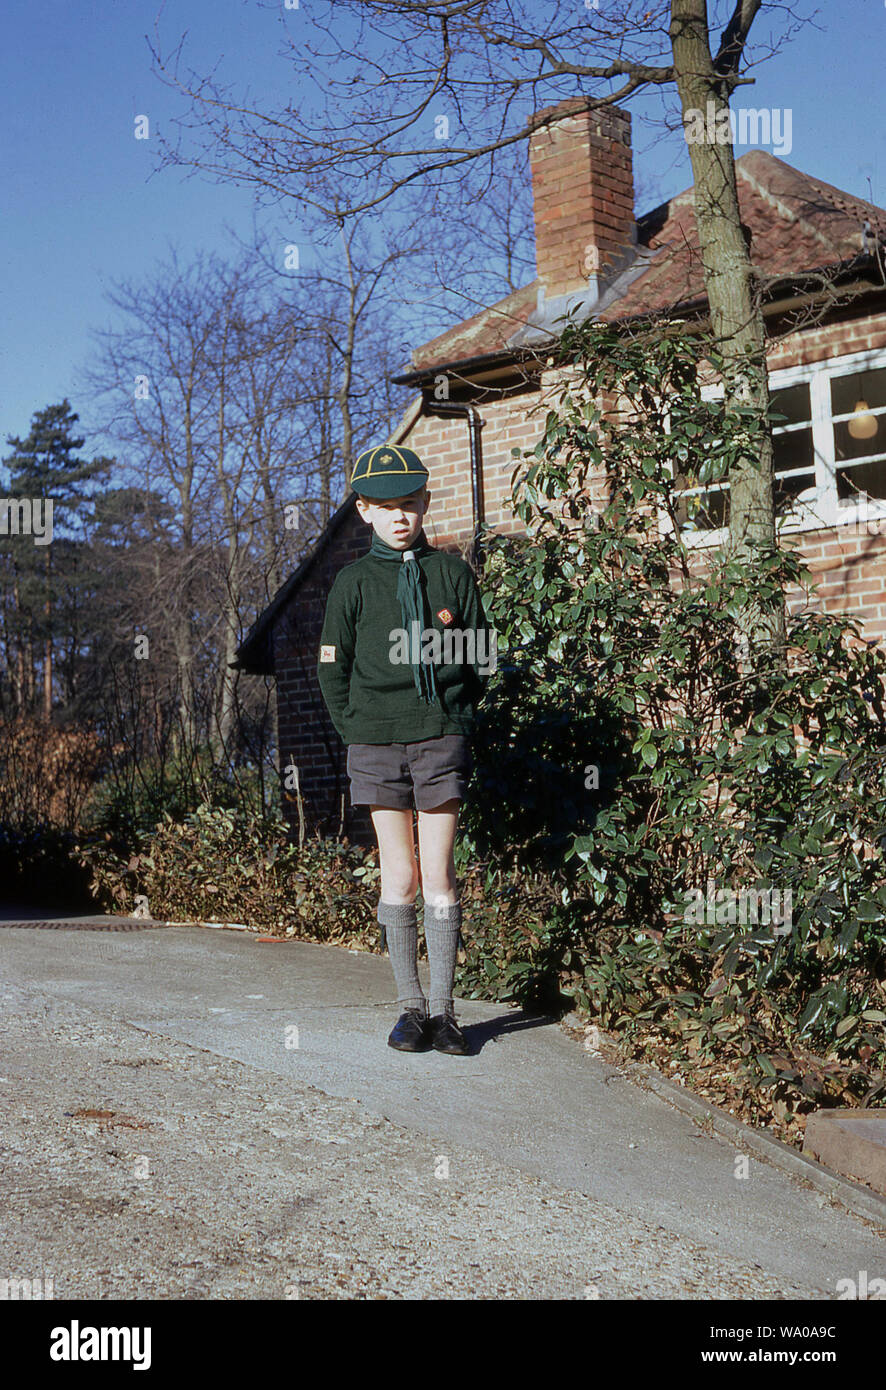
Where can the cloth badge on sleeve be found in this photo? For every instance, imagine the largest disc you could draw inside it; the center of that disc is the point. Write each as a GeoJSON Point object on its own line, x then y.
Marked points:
{"type": "Point", "coordinates": [327, 653]}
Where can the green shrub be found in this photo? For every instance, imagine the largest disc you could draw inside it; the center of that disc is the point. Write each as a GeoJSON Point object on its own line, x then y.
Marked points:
{"type": "Point", "coordinates": [221, 865]}
{"type": "Point", "coordinates": [626, 753]}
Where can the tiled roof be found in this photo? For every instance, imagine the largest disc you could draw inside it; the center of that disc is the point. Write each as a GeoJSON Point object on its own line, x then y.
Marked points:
{"type": "Point", "coordinates": [486, 331]}
{"type": "Point", "coordinates": [797, 223]}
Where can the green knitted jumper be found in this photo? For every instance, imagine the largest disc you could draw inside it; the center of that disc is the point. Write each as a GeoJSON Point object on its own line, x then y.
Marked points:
{"type": "Point", "coordinates": [366, 664]}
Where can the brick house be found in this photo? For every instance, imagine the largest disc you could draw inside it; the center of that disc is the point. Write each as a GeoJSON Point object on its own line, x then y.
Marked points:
{"type": "Point", "coordinates": [480, 390]}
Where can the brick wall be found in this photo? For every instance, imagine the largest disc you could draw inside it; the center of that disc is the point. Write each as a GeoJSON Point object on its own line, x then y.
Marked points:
{"type": "Point", "coordinates": [515, 422]}
{"type": "Point", "coordinates": [850, 572]}
{"type": "Point", "coordinates": [860, 333]}
{"type": "Point", "coordinates": [308, 740]}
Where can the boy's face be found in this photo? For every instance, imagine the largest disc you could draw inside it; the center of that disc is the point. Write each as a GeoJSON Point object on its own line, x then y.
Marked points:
{"type": "Point", "coordinates": [397, 521]}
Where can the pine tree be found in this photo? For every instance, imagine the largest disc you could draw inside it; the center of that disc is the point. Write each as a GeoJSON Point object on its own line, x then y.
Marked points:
{"type": "Point", "coordinates": [45, 469]}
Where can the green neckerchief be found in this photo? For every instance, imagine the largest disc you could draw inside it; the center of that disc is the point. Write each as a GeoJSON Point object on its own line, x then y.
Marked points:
{"type": "Point", "coordinates": [409, 592]}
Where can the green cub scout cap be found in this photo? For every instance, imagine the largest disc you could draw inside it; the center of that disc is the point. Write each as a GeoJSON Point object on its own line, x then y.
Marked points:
{"type": "Point", "coordinates": [388, 470]}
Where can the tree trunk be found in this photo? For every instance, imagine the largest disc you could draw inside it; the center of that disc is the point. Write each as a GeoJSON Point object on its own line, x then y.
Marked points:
{"type": "Point", "coordinates": [184, 738]}
{"type": "Point", "coordinates": [47, 644]}
{"type": "Point", "coordinates": [222, 738]}
{"type": "Point", "coordinates": [736, 315]}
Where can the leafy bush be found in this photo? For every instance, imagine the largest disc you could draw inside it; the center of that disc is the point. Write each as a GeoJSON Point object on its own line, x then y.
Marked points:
{"type": "Point", "coordinates": [514, 938]}
{"type": "Point", "coordinates": [224, 866]}
{"type": "Point", "coordinates": [45, 775]}
{"type": "Point", "coordinates": [627, 753]}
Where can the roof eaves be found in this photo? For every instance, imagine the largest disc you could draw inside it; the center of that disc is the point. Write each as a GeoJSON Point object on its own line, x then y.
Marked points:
{"type": "Point", "coordinates": [538, 334]}
{"type": "Point", "coordinates": [586, 307]}
{"type": "Point", "coordinates": [464, 364]}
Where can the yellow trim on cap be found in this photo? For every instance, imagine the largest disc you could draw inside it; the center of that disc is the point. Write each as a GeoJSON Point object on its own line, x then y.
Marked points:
{"type": "Point", "coordinates": [369, 462]}
{"type": "Point", "coordinates": [405, 472]}
{"type": "Point", "coordinates": [404, 461]}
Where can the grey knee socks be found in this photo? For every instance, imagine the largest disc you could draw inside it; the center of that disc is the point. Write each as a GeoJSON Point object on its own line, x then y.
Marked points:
{"type": "Point", "coordinates": [400, 927]}
{"type": "Point", "coordinates": [442, 934]}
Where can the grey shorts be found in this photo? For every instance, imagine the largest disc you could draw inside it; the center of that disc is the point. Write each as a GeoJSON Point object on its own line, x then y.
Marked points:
{"type": "Point", "coordinates": [434, 770]}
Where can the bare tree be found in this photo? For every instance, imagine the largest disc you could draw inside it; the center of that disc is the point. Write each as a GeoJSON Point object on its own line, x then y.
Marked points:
{"type": "Point", "coordinates": [376, 77]}
{"type": "Point", "coordinates": [156, 376]}
{"type": "Point", "coordinates": [237, 397]}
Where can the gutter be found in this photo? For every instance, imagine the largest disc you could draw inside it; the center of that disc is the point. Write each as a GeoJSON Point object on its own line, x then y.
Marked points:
{"type": "Point", "coordinates": [422, 375]}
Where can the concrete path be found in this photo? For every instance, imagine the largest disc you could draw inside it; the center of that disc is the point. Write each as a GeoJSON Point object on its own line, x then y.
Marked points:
{"type": "Point", "coordinates": [271, 1141]}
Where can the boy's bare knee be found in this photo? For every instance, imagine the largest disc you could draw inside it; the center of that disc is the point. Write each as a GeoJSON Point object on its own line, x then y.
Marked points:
{"type": "Point", "coordinates": [400, 887]}
{"type": "Point", "coordinates": [438, 892]}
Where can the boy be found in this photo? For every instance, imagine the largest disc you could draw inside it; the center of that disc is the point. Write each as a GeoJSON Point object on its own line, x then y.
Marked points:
{"type": "Point", "coordinates": [404, 641]}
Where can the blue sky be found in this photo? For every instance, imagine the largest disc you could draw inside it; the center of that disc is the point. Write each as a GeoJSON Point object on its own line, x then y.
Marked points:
{"type": "Point", "coordinates": [84, 205]}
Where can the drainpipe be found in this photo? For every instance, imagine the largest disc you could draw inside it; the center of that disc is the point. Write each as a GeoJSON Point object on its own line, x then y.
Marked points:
{"type": "Point", "coordinates": [475, 424]}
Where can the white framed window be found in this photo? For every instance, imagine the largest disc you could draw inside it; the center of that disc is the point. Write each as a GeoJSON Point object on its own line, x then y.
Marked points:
{"type": "Point", "coordinates": [829, 451]}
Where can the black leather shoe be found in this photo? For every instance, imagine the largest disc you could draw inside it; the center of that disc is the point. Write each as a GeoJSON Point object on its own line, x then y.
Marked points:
{"type": "Point", "coordinates": [410, 1033]}
{"type": "Point", "coordinates": [446, 1036]}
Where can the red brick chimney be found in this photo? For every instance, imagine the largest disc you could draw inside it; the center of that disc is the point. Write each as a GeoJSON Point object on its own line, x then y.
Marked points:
{"type": "Point", "coordinates": [583, 191]}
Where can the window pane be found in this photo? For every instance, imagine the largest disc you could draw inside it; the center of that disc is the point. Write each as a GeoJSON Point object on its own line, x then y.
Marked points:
{"type": "Point", "coordinates": [847, 390]}
{"type": "Point", "coordinates": [793, 450]}
{"type": "Point", "coordinates": [870, 477]}
{"type": "Point", "coordinates": [714, 510]}
{"type": "Point", "coordinates": [785, 489]}
{"type": "Point", "coordinates": [862, 477]}
{"type": "Point", "coordinates": [792, 401]}
{"type": "Point", "coordinates": [845, 447]}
